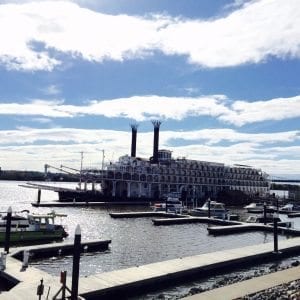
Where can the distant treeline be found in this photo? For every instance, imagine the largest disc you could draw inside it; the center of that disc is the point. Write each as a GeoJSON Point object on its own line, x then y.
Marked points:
{"type": "Point", "coordinates": [40, 176]}
{"type": "Point", "coordinates": [285, 187]}
{"type": "Point", "coordinates": [34, 176]}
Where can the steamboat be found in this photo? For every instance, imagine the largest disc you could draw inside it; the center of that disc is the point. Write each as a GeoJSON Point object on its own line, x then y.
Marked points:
{"type": "Point", "coordinates": [136, 179]}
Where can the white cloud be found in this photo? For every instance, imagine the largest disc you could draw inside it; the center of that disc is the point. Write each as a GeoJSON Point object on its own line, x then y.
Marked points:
{"type": "Point", "coordinates": [275, 109]}
{"type": "Point", "coordinates": [26, 135]}
{"type": "Point", "coordinates": [52, 109]}
{"type": "Point", "coordinates": [51, 89]}
{"type": "Point", "coordinates": [250, 34]}
{"type": "Point", "coordinates": [215, 136]}
{"type": "Point", "coordinates": [141, 108]}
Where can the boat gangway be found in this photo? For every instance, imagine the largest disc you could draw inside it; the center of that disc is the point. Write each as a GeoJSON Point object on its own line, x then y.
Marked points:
{"type": "Point", "coordinates": [45, 187]}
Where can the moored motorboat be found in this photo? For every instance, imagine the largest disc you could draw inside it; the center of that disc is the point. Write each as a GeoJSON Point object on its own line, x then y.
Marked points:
{"type": "Point", "coordinates": [259, 208]}
{"type": "Point", "coordinates": [217, 209]}
{"type": "Point", "coordinates": [32, 228]}
{"type": "Point", "coordinates": [289, 208]}
{"type": "Point", "coordinates": [268, 219]}
{"type": "Point", "coordinates": [172, 204]}
{"type": "Point", "coordinates": [261, 219]}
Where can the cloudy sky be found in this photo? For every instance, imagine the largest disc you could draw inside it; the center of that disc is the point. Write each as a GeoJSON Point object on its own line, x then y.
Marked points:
{"type": "Point", "coordinates": [222, 76]}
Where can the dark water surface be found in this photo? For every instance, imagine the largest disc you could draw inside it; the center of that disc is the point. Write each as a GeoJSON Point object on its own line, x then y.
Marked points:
{"type": "Point", "coordinates": [134, 241]}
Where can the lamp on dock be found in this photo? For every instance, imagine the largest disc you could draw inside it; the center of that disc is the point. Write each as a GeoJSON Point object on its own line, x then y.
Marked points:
{"type": "Point", "coordinates": [275, 230]}
{"type": "Point", "coordinates": [7, 231]}
{"type": "Point", "coordinates": [76, 263]}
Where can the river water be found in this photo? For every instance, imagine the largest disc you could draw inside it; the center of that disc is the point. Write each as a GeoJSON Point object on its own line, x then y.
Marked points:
{"type": "Point", "coordinates": [134, 241]}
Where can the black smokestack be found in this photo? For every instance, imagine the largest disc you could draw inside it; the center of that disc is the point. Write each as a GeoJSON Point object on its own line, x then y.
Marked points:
{"type": "Point", "coordinates": [156, 125]}
{"type": "Point", "coordinates": [133, 139]}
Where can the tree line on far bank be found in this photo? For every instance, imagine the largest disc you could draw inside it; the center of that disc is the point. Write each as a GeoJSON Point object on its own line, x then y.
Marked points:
{"type": "Point", "coordinates": [34, 176]}
{"type": "Point", "coordinates": [40, 176]}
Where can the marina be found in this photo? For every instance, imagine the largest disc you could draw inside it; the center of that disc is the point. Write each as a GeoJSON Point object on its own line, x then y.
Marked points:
{"type": "Point", "coordinates": [125, 228]}
{"type": "Point", "coordinates": [149, 150]}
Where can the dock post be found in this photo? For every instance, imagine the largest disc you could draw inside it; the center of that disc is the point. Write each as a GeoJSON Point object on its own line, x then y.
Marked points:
{"type": "Point", "coordinates": [265, 213]}
{"type": "Point", "coordinates": [167, 205]}
{"type": "Point", "coordinates": [63, 279]}
{"type": "Point", "coordinates": [3, 261]}
{"type": "Point", "coordinates": [7, 231]}
{"type": "Point", "coordinates": [208, 207]}
{"type": "Point", "coordinates": [275, 220]}
{"type": "Point", "coordinates": [76, 262]}
{"type": "Point", "coordinates": [39, 197]}
{"type": "Point", "coordinates": [25, 259]}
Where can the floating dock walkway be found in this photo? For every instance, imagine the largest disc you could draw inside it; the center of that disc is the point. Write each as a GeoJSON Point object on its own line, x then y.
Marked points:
{"type": "Point", "coordinates": [190, 219]}
{"type": "Point", "coordinates": [135, 280]}
{"type": "Point", "coordinates": [294, 215]}
{"type": "Point", "coordinates": [57, 249]}
{"type": "Point", "coordinates": [24, 282]}
{"type": "Point", "coordinates": [172, 218]}
{"type": "Point", "coordinates": [143, 214]}
{"type": "Point", "coordinates": [222, 230]}
{"type": "Point", "coordinates": [89, 204]}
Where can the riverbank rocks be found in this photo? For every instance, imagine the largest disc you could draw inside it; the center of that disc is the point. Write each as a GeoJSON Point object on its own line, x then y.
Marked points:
{"type": "Point", "coordinates": [288, 291]}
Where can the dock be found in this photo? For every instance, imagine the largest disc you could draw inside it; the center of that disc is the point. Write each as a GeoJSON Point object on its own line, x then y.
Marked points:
{"type": "Point", "coordinates": [172, 218]}
{"type": "Point", "coordinates": [58, 249]}
{"type": "Point", "coordinates": [135, 280]}
{"type": "Point", "coordinates": [190, 219]}
{"type": "Point", "coordinates": [223, 230]}
{"type": "Point", "coordinates": [89, 204]}
{"type": "Point", "coordinates": [145, 214]}
{"type": "Point", "coordinates": [294, 215]}
{"type": "Point", "coordinates": [24, 282]}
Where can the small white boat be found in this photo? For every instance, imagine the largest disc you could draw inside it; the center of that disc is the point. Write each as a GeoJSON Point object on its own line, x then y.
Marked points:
{"type": "Point", "coordinates": [288, 208]}
{"type": "Point", "coordinates": [217, 210]}
{"type": "Point", "coordinates": [254, 207]}
{"type": "Point", "coordinates": [172, 204]}
{"type": "Point", "coordinates": [269, 220]}
{"type": "Point", "coordinates": [259, 207]}
{"type": "Point", "coordinates": [260, 218]}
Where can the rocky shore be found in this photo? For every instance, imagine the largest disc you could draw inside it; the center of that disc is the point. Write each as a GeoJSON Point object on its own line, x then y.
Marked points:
{"type": "Point", "coordinates": [289, 291]}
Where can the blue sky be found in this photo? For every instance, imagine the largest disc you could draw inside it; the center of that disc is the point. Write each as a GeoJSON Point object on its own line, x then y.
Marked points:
{"type": "Point", "coordinates": [222, 76]}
